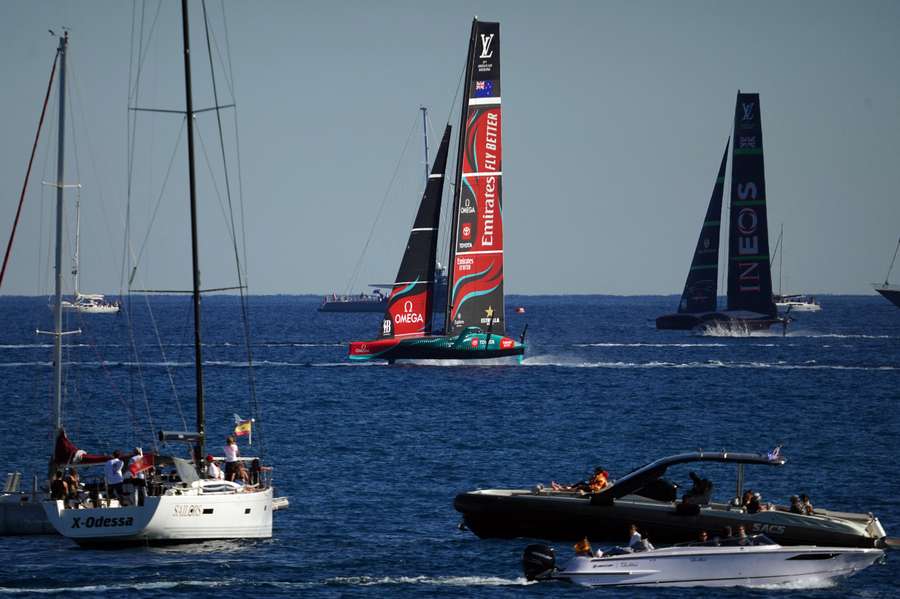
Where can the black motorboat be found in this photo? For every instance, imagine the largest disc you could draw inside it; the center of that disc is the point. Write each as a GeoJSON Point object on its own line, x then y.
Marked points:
{"type": "Point", "coordinates": [644, 498]}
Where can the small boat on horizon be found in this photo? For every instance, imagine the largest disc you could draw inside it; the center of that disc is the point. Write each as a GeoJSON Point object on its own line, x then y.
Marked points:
{"type": "Point", "coordinates": [735, 561]}
{"type": "Point", "coordinates": [750, 305]}
{"type": "Point", "coordinates": [797, 302]}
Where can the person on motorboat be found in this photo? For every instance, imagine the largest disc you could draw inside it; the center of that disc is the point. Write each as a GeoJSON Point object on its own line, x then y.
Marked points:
{"type": "Point", "coordinates": [700, 492]}
{"type": "Point", "coordinates": [807, 506]}
{"type": "Point", "coordinates": [598, 481]}
{"type": "Point", "coordinates": [583, 548]}
{"type": "Point", "coordinates": [796, 506]}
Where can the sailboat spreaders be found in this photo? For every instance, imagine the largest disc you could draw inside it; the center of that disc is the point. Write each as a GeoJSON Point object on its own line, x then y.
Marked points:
{"type": "Point", "coordinates": [475, 322]}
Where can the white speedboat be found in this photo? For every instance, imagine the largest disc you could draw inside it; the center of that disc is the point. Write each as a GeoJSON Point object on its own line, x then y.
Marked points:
{"type": "Point", "coordinates": [748, 561]}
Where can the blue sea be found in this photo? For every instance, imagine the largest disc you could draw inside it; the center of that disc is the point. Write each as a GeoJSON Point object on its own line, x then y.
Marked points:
{"type": "Point", "coordinates": [372, 455]}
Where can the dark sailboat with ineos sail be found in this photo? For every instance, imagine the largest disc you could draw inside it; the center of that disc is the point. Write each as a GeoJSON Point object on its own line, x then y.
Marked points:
{"type": "Point", "coordinates": [475, 320]}
{"type": "Point", "coordinates": [750, 304]}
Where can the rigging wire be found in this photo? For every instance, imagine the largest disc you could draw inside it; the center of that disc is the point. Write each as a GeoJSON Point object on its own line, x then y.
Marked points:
{"type": "Point", "coordinates": [356, 270]}
{"type": "Point", "coordinates": [242, 282]}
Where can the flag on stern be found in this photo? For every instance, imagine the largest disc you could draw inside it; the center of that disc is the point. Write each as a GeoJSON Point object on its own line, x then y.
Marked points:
{"type": "Point", "coordinates": [243, 428]}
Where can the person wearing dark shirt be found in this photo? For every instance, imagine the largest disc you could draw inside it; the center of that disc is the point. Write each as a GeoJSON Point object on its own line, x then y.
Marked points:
{"type": "Point", "coordinates": [58, 487]}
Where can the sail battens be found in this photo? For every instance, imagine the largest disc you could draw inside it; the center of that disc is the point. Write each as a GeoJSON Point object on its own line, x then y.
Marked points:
{"type": "Point", "coordinates": [484, 101]}
{"type": "Point", "coordinates": [410, 304]}
{"type": "Point", "coordinates": [699, 293]}
{"type": "Point", "coordinates": [749, 270]}
{"type": "Point", "coordinates": [476, 246]}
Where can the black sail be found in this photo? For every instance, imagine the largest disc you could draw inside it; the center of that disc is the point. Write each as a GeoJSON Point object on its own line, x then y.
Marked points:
{"type": "Point", "coordinates": [409, 310]}
{"type": "Point", "coordinates": [699, 293]}
{"type": "Point", "coordinates": [475, 295]}
{"type": "Point", "coordinates": [749, 271]}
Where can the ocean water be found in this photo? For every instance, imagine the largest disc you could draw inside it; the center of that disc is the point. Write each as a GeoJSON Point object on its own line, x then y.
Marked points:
{"type": "Point", "coordinates": [371, 456]}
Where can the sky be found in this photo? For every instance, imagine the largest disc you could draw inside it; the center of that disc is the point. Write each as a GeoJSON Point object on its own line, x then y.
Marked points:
{"type": "Point", "coordinates": [615, 116]}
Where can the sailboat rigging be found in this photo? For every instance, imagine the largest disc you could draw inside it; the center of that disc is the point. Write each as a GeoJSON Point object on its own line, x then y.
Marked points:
{"type": "Point", "coordinates": [193, 505]}
{"type": "Point", "coordinates": [792, 301]}
{"type": "Point", "coordinates": [475, 322]}
{"type": "Point", "coordinates": [750, 305]}
{"type": "Point", "coordinates": [87, 303]}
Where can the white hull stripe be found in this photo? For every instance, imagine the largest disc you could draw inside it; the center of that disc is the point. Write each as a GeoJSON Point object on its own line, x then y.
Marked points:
{"type": "Point", "coordinates": [484, 174]}
{"type": "Point", "coordinates": [411, 282]}
{"type": "Point", "coordinates": [424, 229]}
{"type": "Point", "coordinates": [481, 252]}
{"type": "Point", "coordinates": [483, 101]}
{"type": "Point", "coordinates": [436, 176]}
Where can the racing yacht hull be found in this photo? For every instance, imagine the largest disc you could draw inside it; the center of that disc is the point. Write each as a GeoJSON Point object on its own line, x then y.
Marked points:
{"type": "Point", "coordinates": [467, 346]}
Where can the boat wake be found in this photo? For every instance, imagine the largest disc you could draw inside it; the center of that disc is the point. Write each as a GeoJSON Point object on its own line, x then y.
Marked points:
{"type": "Point", "coordinates": [572, 362]}
{"type": "Point", "coordinates": [453, 581]}
{"type": "Point", "coordinates": [658, 345]}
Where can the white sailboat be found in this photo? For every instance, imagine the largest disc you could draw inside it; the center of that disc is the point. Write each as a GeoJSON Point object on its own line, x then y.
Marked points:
{"type": "Point", "coordinates": [186, 505]}
{"type": "Point", "coordinates": [86, 303]}
{"type": "Point", "coordinates": [796, 302]}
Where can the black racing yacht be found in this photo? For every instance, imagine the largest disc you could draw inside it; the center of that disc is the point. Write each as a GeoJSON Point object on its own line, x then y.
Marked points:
{"type": "Point", "coordinates": [643, 497]}
{"type": "Point", "coordinates": [749, 294]}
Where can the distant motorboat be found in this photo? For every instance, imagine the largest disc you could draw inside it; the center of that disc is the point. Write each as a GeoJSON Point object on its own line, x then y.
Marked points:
{"type": "Point", "coordinates": [747, 561]}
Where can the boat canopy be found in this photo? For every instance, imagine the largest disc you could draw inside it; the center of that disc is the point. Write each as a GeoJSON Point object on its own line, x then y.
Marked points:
{"type": "Point", "coordinates": [641, 477]}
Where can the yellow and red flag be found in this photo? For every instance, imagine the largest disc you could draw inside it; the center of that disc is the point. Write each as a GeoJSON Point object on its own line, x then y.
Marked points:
{"type": "Point", "coordinates": [243, 428]}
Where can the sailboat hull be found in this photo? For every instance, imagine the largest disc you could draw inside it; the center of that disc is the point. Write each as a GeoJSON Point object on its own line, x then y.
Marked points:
{"type": "Point", "coordinates": [742, 320]}
{"type": "Point", "coordinates": [890, 292]}
{"type": "Point", "coordinates": [467, 346]}
{"type": "Point", "coordinates": [167, 519]}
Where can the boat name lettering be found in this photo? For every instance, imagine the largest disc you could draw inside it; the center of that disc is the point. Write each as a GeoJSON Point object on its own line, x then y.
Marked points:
{"type": "Point", "coordinates": [748, 240]}
{"type": "Point", "coordinates": [463, 263]}
{"type": "Point", "coordinates": [99, 522]}
{"type": "Point", "coordinates": [775, 529]}
{"type": "Point", "coordinates": [188, 510]}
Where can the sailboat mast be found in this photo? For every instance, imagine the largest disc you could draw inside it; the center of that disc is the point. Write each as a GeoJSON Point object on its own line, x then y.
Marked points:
{"type": "Point", "coordinates": [198, 351]}
{"type": "Point", "coordinates": [425, 135]}
{"type": "Point", "coordinates": [77, 242]}
{"type": "Point", "coordinates": [891, 267]}
{"type": "Point", "coordinates": [457, 187]}
{"type": "Point", "coordinates": [60, 187]}
{"type": "Point", "coordinates": [780, 258]}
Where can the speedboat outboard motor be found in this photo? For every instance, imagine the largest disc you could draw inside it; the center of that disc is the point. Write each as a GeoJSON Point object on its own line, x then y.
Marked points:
{"type": "Point", "coordinates": [538, 562]}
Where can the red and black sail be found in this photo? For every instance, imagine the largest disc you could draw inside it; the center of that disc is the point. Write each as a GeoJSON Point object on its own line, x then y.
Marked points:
{"type": "Point", "coordinates": [410, 305]}
{"type": "Point", "coordinates": [749, 271]}
{"type": "Point", "coordinates": [475, 294]}
{"type": "Point", "coordinates": [699, 293]}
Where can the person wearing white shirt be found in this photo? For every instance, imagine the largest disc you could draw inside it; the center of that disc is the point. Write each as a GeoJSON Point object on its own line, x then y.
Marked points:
{"type": "Point", "coordinates": [212, 469]}
{"type": "Point", "coordinates": [231, 458]}
{"type": "Point", "coordinates": [112, 471]}
{"type": "Point", "coordinates": [138, 480]}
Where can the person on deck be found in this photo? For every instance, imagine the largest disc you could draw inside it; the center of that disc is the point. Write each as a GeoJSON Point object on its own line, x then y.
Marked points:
{"type": "Point", "coordinates": [112, 471]}
{"type": "Point", "coordinates": [597, 482]}
{"type": "Point", "coordinates": [72, 486]}
{"type": "Point", "coordinates": [138, 481]}
{"type": "Point", "coordinates": [583, 548]}
{"type": "Point", "coordinates": [796, 506]}
{"type": "Point", "coordinates": [212, 469]}
{"type": "Point", "coordinates": [231, 458]}
{"type": "Point", "coordinates": [58, 488]}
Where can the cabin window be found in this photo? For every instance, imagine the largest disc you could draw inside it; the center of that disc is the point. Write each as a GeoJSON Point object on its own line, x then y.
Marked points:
{"type": "Point", "coordinates": [207, 510]}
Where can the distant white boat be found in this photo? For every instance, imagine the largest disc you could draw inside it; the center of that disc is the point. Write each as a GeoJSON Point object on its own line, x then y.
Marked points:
{"type": "Point", "coordinates": [749, 561]}
{"type": "Point", "coordinates": [795, 302]}
{"type": "Point", "coordinates": [86, 303]}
